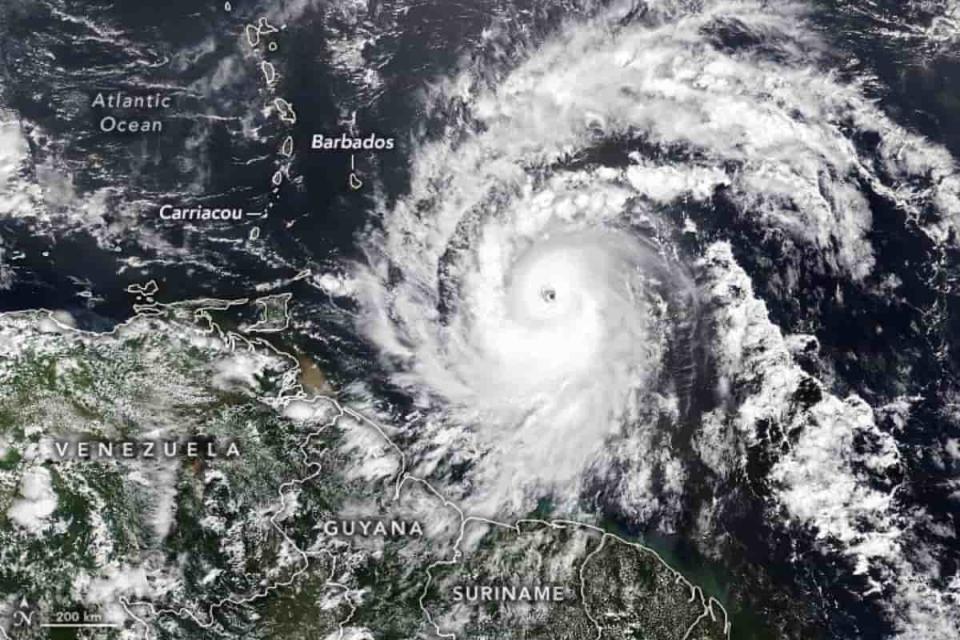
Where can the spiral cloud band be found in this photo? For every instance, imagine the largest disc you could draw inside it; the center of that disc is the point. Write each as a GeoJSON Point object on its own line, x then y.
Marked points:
{"type": "Point", "coordinates": [541, 290]}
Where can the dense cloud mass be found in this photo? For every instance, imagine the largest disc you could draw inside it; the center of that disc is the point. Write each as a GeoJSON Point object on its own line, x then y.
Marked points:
{"type": "Point", "coordinates": [558, 295]}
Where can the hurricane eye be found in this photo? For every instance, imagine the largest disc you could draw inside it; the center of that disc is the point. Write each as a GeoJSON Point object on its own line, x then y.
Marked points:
{"type": "Point", "coordinates": [549, 294]}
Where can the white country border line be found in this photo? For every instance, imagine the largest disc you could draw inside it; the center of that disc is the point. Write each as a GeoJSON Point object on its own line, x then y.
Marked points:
{"type": "Point", "coordinates": [291, 383]}
{"type": "Point", "coordinates": [201, 313]}
{"type": "Point", "coordinates": [695, 590]}
{"type": "Point", "coordinates": [290, 390]}
{"type": "Point", "coordinates": [583, 586]}
{"type": "Point", "coordinates": [263, 304]}
{"type": "Point", "coordinates": [403, 476]}
{"type": "Point", "coordinates": [304, 558]}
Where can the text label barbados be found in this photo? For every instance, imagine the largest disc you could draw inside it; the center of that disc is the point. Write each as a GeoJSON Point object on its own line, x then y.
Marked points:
{"type": "Point", "coordinates": [373, 142]}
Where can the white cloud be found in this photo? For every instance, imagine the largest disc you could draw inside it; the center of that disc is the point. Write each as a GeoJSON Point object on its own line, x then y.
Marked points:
{"type": "Point", "coordinates": [37, 501]}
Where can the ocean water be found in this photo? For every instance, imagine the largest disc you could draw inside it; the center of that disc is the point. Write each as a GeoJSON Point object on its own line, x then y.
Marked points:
{"type": "Point", "coordinates": [377, 64]}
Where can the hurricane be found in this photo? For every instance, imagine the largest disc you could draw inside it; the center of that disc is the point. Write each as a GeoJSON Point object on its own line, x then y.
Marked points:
{"type": "Point", "coordinates": [566, 290]}
{"type": "Point", "coordinates": [539, 275]}
{"type": "Point", "coordinates": [546, 325]}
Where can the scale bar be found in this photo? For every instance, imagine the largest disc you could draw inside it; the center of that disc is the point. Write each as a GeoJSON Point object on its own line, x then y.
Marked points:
{"type": "Point", "coordinates": [64, 625]}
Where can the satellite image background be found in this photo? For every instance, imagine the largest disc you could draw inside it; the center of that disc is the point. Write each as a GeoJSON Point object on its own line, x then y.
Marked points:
{"type": "Point", "coordinates": [647, 308]}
